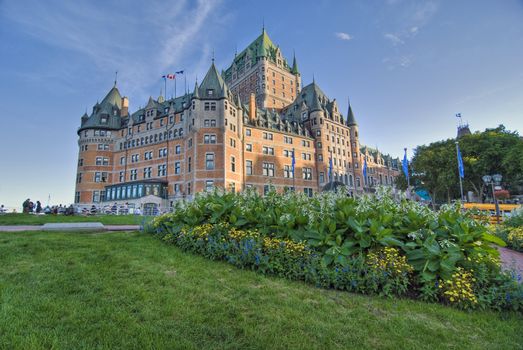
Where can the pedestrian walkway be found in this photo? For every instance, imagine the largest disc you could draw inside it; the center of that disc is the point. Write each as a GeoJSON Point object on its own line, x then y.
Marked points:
{"type": "Point", "coordinates": [512, 260]}
{"type": "Point", "coordinates": [71, 226]}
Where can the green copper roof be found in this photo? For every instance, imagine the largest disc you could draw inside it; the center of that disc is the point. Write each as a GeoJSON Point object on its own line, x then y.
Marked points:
{"type": "Point", "coordinates": [294, 69]}
{"type": "Point", "coordinates": [350, 117]}
{"type": "Point", "coordinates": [262, 46]}
{"type": "Point", "coordinates": [106, 114]}
{"type": "Point", "coordinates": [113, 98]}
{"type": "Point", "coordinates": [212, 85]}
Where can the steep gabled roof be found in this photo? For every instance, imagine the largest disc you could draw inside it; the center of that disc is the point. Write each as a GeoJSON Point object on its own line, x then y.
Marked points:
{"type": "Point", "coordinates": [213, 82]}
{"type": "Point", "coordinates": [351, 120]}
{"type": "Point", "coordinates": [262, 46]}
{"type": "Point", "coordinates": [113, 97]}
{"type": "Point", "coordinates": [106, 114]}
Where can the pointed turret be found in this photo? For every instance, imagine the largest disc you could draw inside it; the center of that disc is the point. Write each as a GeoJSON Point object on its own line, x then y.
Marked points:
{"type": "Point", "coordinates": [113, 97]}
{"type": "Point", "coordinates": [294, 69]}
{"type": "Point", "coordinates": [211, 86]}
{"type": "Point", "coordinates": [350, 117]}
{"type": "Point", "coordinates": [316, 105]}
{"type": "Point", "coordinates": [195, 92]}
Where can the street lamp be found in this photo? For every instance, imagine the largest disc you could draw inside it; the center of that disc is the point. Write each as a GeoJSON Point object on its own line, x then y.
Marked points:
{"type": "Point", "coordinates": [493, 180]}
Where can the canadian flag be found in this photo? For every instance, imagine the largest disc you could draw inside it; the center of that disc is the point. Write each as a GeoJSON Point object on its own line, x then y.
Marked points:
{"type": "Point", "coordinates": [169, 76]}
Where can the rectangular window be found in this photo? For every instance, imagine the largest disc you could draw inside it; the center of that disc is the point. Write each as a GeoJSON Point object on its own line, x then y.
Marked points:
{"type": "Point", "coordinates": [79, 178]}
{"type": "Point", "coordinates": [322, 177]}
{"type": "Point", "coordinates": [248, 147]}
{"type": "Point", "coordinates": [189, 164]}
{"type": "Point", "coordinates": [209, 161]}
{"type": "Point", "coordinates": [121, 176]}
{"type": "Point", "coordinates": [233, 142]}
{"type": "Point", "coordinates": [134, 174]}
{"type": "Point", "coordinates": [177, 168]}
{"type": "Point", "coordinates": [147, 172]}
{"type": "Point", "coordinates": [287, 171]}
{"type": "Point", "coordinates": [308, 191]}
{"type": "Point", "coordinates": [77, 197]}
{"type": "Point", "coordinates": [287, 139]}
{"type": "Point", "coordinates": [209, 138]}
{"type": "Point", "coordinates": [122, 160]}
{"type": "Point", "coordinates": [162, 152]}
{"type": "Point", "coordinates": [267, 136]}
{"type": "Point", "coordinates": [268, 169]}
{"type": "Point", "coordinates": [178, 149]}
{"type": "Point", "coordinates": [268, 150]}
{"type": "Point", "coordinates": [248, 132]}
{"type": "Point", "coordinates": [307, 173]}
{"type": "Point", "coordinates": [96, 196]}
{"type": "Point", "coordinates": [233, 164]}
{"type": "Point", "coordinates": [209, 184]}
{"type": "Point", "coordinates": [248, 167]}
{"type": "Point", "coordinates": [80, 162]}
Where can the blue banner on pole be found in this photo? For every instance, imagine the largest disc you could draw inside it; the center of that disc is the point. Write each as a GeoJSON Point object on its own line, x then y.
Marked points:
{"type": "Point", "coordinates": [405, 165]}
{"type": "Point", "coordinates": [293, 162]}
{"type": "Point", "coordinates": [460, 165]}
{"type": "Point", "coordinates": [365, 170]}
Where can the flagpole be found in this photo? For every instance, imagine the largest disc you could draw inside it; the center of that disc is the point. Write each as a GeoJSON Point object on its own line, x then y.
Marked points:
{"type": "Point", "coordinates": [165, 84]}
{"type": "Point", "coordinates": [175, 86]}
{"type": "Point", "coordinates": [459, 171]}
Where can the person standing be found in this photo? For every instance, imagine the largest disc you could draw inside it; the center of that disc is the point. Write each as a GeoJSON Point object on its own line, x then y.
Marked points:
{"type": "Point", "coordinates": [38, 207]}
{"type": "Point", "coordinates": [25, 206]}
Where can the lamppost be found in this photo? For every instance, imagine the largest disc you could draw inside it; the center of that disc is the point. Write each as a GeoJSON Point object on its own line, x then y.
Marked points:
{"type": "Point", "coordinates": [493, 180]}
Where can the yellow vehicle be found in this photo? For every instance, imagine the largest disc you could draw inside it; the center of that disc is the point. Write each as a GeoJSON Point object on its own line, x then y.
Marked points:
{"type": "Point", "coordinates": [489, 209]}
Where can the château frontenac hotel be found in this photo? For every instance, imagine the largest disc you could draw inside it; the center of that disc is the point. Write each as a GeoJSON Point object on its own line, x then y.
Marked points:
{"type": "Point", "coordinates": [254, 125]}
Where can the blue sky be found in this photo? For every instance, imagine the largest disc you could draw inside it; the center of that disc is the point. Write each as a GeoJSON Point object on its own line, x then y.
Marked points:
{"type": "Point", "coordinates": [408, 67]}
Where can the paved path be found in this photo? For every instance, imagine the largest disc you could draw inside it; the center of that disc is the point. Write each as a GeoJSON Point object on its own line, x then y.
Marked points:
{"type": "Point", "coordinates": [511, 259]}
{"type": "Point", "coordinates": [73, 226]}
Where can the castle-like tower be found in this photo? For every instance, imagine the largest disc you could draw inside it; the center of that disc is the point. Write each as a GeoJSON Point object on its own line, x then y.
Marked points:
{"type": "Point", "coordinates": [232, 135]}
{"type": "Point", "coordinates": [263, 70]}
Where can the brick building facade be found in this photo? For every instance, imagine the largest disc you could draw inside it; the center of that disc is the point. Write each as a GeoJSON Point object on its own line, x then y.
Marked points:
{"type": "Point", "coordinates": [249, 126]}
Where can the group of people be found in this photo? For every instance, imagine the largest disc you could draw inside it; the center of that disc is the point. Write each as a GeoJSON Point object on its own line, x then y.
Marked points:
{"type": "Point", "coordinates": [28, 207]}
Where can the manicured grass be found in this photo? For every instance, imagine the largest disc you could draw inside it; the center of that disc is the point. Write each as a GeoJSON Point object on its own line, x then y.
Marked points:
{"type": "Point", "coordinates": [131, 291]}
{"type": "Point", "coordinates": [30, 219]}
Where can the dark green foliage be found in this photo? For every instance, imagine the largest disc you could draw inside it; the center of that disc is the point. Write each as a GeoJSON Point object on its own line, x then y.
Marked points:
{"type": "Point", "coordinates": [340, 232]}
{"type": "Point", "coordinates": [492, 151]}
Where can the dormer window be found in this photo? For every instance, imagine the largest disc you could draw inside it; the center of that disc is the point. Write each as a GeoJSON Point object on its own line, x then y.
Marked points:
{"type": "Point", "coordinates": [103, 120]}
{"type": "Point", "coordinates": [210, 92]}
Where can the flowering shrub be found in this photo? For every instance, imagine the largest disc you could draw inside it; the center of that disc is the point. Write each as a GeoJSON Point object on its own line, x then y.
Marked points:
{"type": "Point", "coordinates": [366, 245]}
{"type": "Point", "coordinates": [515, 238]}
{"type": "Point", "coordinates": [459, 289]}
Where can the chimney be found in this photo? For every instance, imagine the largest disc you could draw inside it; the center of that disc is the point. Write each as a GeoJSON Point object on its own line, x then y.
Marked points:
{"type": "Point", "coordinates": [125, 107]}
{"type": "Point", "coordinates": [252, 108]}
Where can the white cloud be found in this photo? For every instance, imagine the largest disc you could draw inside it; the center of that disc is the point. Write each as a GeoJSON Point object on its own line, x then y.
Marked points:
{"type": "Point", "coordinates": [141, 41]}
{"type": "Point", "coordinates": [343, 36]}
{"type": "Point", "coordinates": [403, 61]}
{"type": "Point", "coordinates": [394, 39]}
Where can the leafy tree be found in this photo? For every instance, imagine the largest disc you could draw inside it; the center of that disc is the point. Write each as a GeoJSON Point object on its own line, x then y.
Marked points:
{"type": "Point", "coordinates": [492, 151]}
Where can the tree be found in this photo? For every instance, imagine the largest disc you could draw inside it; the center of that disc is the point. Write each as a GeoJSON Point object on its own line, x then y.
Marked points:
{"type": "Point", "coordinates": [493, 151]}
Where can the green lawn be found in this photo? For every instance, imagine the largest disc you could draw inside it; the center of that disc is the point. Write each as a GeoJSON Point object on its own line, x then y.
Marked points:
{"type": "Point", "coordinates": [29, 219]}
{"type": "Point", "coordinates": [130, 291]}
